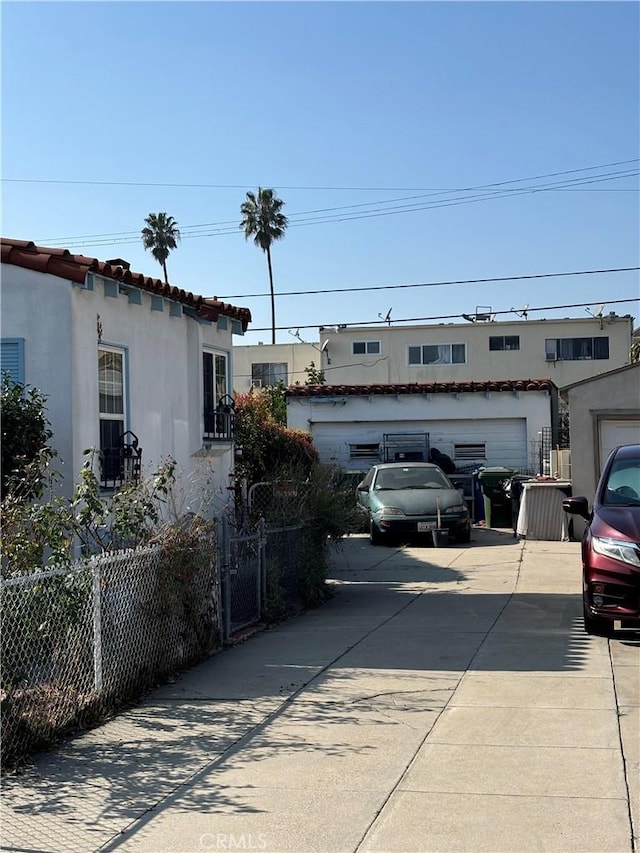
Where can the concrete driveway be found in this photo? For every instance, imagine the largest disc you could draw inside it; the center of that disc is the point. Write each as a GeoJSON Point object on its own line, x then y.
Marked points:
{"type": "Point", "coordinates": [443, 700]}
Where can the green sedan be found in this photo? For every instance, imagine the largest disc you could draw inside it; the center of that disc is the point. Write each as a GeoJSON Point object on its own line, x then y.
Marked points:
{"type": "Point", "coordinates": [403, 499]}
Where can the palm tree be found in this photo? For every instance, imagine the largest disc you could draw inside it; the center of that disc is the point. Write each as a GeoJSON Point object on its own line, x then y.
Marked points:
{"type": "Point", "coordinates": [161, 236]}
{"type": "Point", "coordinates": [262, 219]}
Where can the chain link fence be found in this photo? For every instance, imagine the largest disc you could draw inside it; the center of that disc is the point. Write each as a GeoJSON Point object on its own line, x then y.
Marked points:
{"type": "Point", "coordinates": [76, 642]}
{"type": "Point", "coordinates": [284, 566]}
{"type": "Point", "coordinates": [280, 504]}
{"type": "Point", "coordinates": [242, 578]}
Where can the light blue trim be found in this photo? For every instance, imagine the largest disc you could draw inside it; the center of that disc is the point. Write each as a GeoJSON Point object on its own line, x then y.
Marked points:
{"type": "Point", "coordinates": [222, 324]}
{"type": "Point", "coordinates": [89, 281]}
{"type": "Point", "coordinates": [236, 328]}
{"type": "Point", "coordinates": [157, 303]}
{"type": "Point", "coordinates": [111, 289]}
{"type": "Point", "coordinates": [135, 296]}
{"type": "Point", "coordinates": [175, 309]}
{"type": "Point", "coordinates": [12, 359]}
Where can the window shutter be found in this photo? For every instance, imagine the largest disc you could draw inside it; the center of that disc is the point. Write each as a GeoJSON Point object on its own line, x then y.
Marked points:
{"type": "Point", "coordinates": [12, 359]}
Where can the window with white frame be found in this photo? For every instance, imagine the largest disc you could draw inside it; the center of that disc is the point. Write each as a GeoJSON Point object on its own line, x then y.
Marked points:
{"type": "Point", "coordinates": [112, 407]}
{"type": "Point", "coordinates": [435, 354]}
{"type": "Point", "coordinates": [268, 373]}
{"type": "Point", "coordinates": [365, 348]}
{"type": "Point", "coordinates": [576, 349]}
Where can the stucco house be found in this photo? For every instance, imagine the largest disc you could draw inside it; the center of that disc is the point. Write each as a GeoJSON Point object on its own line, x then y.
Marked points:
{"type": "Point", "coordinates": [137, 368]}
{"type": "Point", "coordinates": [489, 423]}
{"type": "Point", "coordinates": [604, 412]}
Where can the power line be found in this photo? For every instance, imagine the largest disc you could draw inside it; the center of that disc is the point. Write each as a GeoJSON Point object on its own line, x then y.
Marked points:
{"type": "Point", "coordinates": [297, 187]}
{"type": "Point", "coordinates": [110, 238]}
{"type": "Point", "coordinates": [134, 236]}
{"type": "Point", "coordinates": [443, 316]}
{"type": "Point", "coordinates": [431, 283]}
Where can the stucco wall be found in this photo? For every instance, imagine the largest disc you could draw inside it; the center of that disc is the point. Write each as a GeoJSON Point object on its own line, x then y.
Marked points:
{"type": "Point", "coordinates": [37, 308]}
{"type": "Point", "coordinates": [605, 397]}
{"type": "Point", "coordinates": [59, 322]}
{"type": "Point", "coordinates": [296, 356]}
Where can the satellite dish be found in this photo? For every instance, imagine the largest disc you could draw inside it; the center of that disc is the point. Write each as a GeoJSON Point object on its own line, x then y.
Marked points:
{"type": "Point", "coordinates": [597, 312]}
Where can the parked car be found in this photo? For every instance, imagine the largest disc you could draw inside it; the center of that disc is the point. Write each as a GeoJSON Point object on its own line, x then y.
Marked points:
{"type": "Point", "coordinates": [611, 544]}
{"type": "Point", "coordinates": [402, 499]}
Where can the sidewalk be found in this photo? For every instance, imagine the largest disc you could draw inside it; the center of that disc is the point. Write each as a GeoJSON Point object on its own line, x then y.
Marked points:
{"type": "Point", "coordinates": [444, 700]}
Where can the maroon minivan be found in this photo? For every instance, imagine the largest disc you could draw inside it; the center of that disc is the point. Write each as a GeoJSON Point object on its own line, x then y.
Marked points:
{"type": "Point", "coordinates": [611, 544]}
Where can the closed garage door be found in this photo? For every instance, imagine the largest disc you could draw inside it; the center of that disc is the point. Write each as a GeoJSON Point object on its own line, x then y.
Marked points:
{"type": "Point", "coordinates": [502, 441]}
{"type": "Point", "coordinates": [616, 432]}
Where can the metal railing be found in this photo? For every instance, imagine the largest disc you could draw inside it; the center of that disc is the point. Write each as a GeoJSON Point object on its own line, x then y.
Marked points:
{"type": "Point", "coordinates": [219, 423]}
{"type": "Point", "coordinates": [121, 464]}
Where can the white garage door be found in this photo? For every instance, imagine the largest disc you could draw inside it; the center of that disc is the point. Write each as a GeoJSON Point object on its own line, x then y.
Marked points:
{"type": "Point", "coordinates": [504, 440]}
{"type": "Point", "coordinates": [613, 433]}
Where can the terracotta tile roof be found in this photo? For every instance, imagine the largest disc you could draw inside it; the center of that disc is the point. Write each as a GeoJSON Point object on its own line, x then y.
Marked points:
{"type": "Point", "coordinates": [544, 384]}
{"type": "Point", "coordinates": [61, 263]}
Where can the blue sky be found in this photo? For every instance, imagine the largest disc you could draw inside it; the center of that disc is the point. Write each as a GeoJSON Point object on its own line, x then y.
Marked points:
{"type": "Point", "coordinates": [334, 105]}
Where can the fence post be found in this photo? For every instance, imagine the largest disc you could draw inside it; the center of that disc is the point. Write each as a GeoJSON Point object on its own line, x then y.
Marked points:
{"type": "Point", "coordinates": [97, 627]}
{"type": "Point", "coordinates": [262, 565]}
{"type": "Point", "coordinates": [225, 579]}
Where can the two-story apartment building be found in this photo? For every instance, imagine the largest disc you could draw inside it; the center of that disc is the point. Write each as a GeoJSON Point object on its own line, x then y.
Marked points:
{"type": "Point", "coordinates": [568, 350]}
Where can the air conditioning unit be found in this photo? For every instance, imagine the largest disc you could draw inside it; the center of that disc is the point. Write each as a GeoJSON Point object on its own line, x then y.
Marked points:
{"type": "Point", "coordinates": [551, 356]}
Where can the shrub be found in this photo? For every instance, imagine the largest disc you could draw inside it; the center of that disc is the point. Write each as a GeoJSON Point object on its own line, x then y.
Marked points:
{"type": "Point", "coordinates": [267, 445]}
{"type": "Point", "coordinates": [25, 436]}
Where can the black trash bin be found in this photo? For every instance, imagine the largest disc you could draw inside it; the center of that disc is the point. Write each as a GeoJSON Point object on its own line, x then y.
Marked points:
{"type": "Point", "coordinates": [513, 489]}
{"type": "Point", "coordinates": [497, 504]}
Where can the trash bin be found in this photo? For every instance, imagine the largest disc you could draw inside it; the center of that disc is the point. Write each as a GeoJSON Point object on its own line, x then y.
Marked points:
{"type": "Point", "coordinates": [513, 490]}
{"type": "Point", "coordinates": [497, 504]}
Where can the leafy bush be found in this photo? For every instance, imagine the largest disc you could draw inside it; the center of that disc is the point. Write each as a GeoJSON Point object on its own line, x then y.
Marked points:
{"type": "Point", "coordinates": [266, 444]}
{"type": "Point", "coordinates": [39, 532]}
{"type": "Point", "coordinates": [25, 435]}
{"type": "Point", "coordinates": [322, 499]}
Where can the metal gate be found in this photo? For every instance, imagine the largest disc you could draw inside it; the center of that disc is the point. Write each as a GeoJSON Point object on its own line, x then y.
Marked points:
{"type": "Point", "coordinates": [242, 579]}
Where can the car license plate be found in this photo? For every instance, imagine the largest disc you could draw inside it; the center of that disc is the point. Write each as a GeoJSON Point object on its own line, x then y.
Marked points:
{"type": "Point", "coordinates": [426, 525]}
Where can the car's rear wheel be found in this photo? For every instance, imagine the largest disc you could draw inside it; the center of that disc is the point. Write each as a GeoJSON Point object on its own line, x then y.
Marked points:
{"type": "Point", "coordinates": [596, 625]}
{"type": "Point", "coordinates": [464, 538]}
